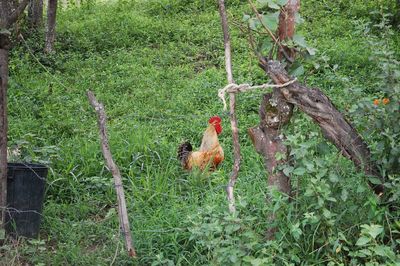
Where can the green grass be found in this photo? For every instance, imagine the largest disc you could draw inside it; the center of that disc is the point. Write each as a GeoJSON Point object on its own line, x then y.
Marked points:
{"type": "Point", "coordinates": [157, 66]}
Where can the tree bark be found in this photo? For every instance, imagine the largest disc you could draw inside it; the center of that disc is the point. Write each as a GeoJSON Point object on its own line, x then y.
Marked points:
{"type": "Point", "coordinates": [4, 46]}
{"type": "Point", "coordinates": [287, 27]}
{"type": "Point", "coordinates": [51, 26]}
{"type": "Point", "coordinates": [11, 16]}
{"type": "Point", "coordinates": [8, 16]}
{"type": "Point", "coordinates": [275, 112]}
{"type": "Point", "coordinates": [333, 124]}
{"type": "Point", "coordinates": [268, 140]}
{"type": "Point", "coordinates": [35, 14]}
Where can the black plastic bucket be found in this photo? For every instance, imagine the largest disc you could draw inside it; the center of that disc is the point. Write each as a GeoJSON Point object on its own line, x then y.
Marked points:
{"type": "Point", "coordinates": [25, 193]}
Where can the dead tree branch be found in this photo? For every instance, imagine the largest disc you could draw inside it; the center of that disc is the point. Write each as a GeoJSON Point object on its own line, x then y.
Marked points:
{"type": "Point", "coordinates": [333, 124]}
{"type": "Point", "coordinates": [113, 168]}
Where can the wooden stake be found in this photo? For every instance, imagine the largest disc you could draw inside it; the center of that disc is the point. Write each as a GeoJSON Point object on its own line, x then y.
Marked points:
{"type": "Point", "coordinates": [122, 212]}
{"type": "Point", "coordinates": [232, 105]}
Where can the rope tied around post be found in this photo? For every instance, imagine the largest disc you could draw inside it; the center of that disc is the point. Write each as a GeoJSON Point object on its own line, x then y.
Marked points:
{"type": "Point", "coordinates": [235, 88]}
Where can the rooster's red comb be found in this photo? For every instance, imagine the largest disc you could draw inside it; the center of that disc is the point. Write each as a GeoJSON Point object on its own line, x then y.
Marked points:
{"type": "Point", "coordinates": [215, 119]}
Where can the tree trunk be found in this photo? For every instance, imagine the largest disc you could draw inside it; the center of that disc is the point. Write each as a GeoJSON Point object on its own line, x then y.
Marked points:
{"type": "Point", "coordinates": [35, 14]}
{"type": "Point", "coordinates": [268, 142]}
{"type": "Point", "coordinates": [4, 46]}
{"type": "Point", "coordinates": [333, 124]}
{"type": "Point", "coordinates": [8, 16]}
{"type": "Point", "coordinates": [51, 26]}
{"type": "Point", "coordinates": [275, 112]}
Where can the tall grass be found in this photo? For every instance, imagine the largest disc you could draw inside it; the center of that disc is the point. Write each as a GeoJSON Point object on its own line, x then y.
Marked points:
{"type": "Point", "coordinates": [157, 65]}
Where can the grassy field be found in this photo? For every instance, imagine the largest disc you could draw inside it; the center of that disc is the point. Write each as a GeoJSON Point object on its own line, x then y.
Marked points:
{"type": "Point", "coordinates": [157, 65]}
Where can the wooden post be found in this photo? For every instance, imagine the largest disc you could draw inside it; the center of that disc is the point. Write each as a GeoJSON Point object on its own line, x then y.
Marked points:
{"type": "Point", "coordinates": [113, 168]}
{"type": "Point", "coordinates": [232, 105]}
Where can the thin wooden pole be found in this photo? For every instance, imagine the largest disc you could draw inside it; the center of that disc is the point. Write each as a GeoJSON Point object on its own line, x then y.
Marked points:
{"type": "Point", "coordinates": [122, 212]}
{"type": "Point", "coordinates": [232, 106]}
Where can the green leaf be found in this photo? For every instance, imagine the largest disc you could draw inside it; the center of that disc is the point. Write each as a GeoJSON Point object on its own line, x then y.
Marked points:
{"type": "Point", "coordinates": [281, 2]}
{"type": "Point", "coordinates": [384, 251]}
{"type": "Point", "coordinates": [273, 5]}
{"type": "Point", "coordinates": [280, 156]}
{"type": "Point", "coordinates": [299, 171]}
{"type": "Point", "coordinates": [300, 40]}
{"type": "Point", "coordinates": [334, 178]}
{"type": "Point", "coordinates": [365, 252]}
{"type": "Point", "coordinates": [362, 241]}
{"type": "Point", "coordinates": [360, 189]}
{"type": "Point", "coordinates": [287, 170]}
{"type": "Point", "coordinates": [327, 213]}
{"type": "Point", "coordinates": [295, 231]}
{"type": "Point", "coordinates": [266, 46]}
{"type": "Point", "coordinates": [262, 3]}
{"type": "Point", "coordinates": [344, 195]}
{"type": "Point", "coordinates": [309, 192]}
{"type": "Point", "coordinates": [311, 51]}
{"type": "Point", "coordinates": [245, 17]}
{"type": "Point", "coordinates": [258, 262]}
{"type": "Point", "coordinates": [331, 199]}
{"type": "Point", "coordinates": [233, 258]}
{"type": "Point", "coordinates": [373, 230]}
{"type": "Point", "coordinates": [271, 20]}
{"type": "Point", "coordinates": [298, 71]}
{"type": "Point", "coordinates": [111, 212]}
{"type": "Point", "coordinates": [323, 148]}
{"type": "Point", "coordinates": [298, 19]}
{"type": "Point", "coordinates": [322, 173]}
{"type": "Point", "coordinates": [309, 165]}
{"type": "Point", "coordinates": [231, 228]}
{"type": "Point", "coordinates": [253, 23]}
{"type": "Point", "coordinates": [375, 181]}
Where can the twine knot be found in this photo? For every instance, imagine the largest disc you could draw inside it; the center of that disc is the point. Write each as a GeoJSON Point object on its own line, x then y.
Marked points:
{"type": "Point", "coordinates": [235, 88]}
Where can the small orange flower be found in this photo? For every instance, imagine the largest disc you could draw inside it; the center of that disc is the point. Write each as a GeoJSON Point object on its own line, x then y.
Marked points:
{"type": "Point", "coordinates": [377, 102]}
{"type": "Point", "coordinates": [385, 101]}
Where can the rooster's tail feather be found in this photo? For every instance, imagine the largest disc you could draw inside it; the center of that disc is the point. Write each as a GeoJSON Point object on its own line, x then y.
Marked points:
{"type": "Point", "coordinates": [184, 151]}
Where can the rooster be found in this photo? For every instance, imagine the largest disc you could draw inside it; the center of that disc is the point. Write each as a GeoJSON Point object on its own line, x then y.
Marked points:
{"type": "Point", "coordinates": [210, 153]}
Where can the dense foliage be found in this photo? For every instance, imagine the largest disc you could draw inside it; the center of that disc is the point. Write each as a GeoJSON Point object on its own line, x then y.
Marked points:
{"type": "Point", "coordinates": [157, 66]}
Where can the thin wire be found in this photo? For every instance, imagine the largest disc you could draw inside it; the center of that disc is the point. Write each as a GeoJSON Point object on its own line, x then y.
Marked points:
{"type": "Point", "coordinates": [40, 64]}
